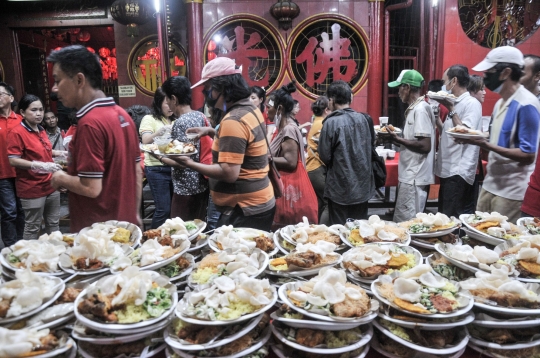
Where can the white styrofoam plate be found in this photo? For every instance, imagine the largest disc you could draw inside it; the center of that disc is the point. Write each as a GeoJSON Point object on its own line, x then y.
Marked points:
{"type": "Point", "coordinates": [136, 233]}
{"type": "Point", "coordinates": [463, 265]}
{"type": "Point", "coordinates": [526, 221]}
{"type": "Point", "coordinates": [368, 317]}
{"type": "Point", "coordinates": [462, 335]}
{"type": "Point", "coordinates": [182, 304]}
{"type": "Point", "coordinates": [306, 323]}
{"type": "Point", "coordinates": [173, 341]}
{"type": "Point", "coordinates": [306, 272]}
{"type": "Point", "coordinates": [459, 312]}
{"type": "Point", "coordinates": [431, 325]}
{"type": "Point", "coordinates": [265, 336]}
{"type": "Point", "coordinates": [59, 285]}
{"type": "Point", "coordinates": [418, 354]}
{"type": "Point", "coordinates": [278, 350]}
{"type": "Point", "coordinates": [149, 354]}
{"type": "Point", "coordinates": [438, 232]}
{"type": "Point", "coordinates": [367, 333]}
{"type": "Point", "coordinates": [426, 245]}
{"type": "Point", "coordinates": [118, 328]}
{"type": "Point", "coordinates": [485, 320]}
{"type": "Point", "coordinates": [482, 343]}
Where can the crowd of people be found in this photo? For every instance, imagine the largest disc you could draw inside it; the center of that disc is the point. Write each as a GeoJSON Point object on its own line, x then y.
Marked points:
{"type": "Point", "coordinates": [254, 165]}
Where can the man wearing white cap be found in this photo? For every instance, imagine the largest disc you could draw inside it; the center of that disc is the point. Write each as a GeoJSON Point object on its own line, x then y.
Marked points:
{"type": "Point", "coordinates": [239, 183]}
{"type": "Point", "coordinates": [514, 130]}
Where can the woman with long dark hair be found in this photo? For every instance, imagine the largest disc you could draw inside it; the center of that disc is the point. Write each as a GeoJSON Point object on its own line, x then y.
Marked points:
{"type": "Point", "coordinates": [31, 153]}
{"type": "Point", "coordinates": [158, 174]}
{"type": "Point", "coordinates": [287, 149]}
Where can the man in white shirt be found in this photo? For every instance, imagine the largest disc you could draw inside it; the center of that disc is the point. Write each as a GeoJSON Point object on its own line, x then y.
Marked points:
{"type": "Point", "coordinates": [456, 163]}
{"type": "Point", "coordinates": [513, 141]}
{"type": "Point", "coordinates": [417, 154]}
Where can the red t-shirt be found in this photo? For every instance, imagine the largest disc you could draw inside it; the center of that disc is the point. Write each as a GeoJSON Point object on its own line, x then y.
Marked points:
{"type": "Point", "coordinates": [25, 143]}
{"type": "Point", "coordinates": [6, 125]}
{"type": "Point", "coordinates": [106, 146]}
{"type": "Point", "coordinates": [531, 202]}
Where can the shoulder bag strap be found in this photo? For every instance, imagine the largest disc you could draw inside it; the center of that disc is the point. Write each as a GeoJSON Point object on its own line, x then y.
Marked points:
{"type": "Point", "coordinates": [267, 144]}
{"type": "Point", "coordinates": [56, 141]}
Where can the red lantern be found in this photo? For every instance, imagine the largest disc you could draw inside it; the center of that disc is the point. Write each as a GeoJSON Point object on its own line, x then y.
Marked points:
{"type": "Point", "coordinates": [83, 36]}
{"type": "Point", "coordinates": [179, 61]}
{"type": "Point", "coordinates": [104, 52]}
{"type": "Point", "coordinates": [111, 61]}
{"type": "Point", "coordinates": [211, 56]}
{"type": "Point", "coordinates": [113, 52]}
{"type": "Point", "coordinates": [91, 49]}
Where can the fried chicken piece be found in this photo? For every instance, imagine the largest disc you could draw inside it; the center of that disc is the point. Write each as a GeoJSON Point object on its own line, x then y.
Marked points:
{"type": "Point", "coordinates": [370, 239]}
{"type": "Point", "coordinates": [183, 262]}
{"type": "Point", "coordinates": [4, 308]}
{"type": "Point", "coordinates": [48, 343]}
{"type": "Point", "coordinates": [309, 337]}
{"type": "Point", "coordinates": [93, 264]}
{"type": "Point", "coordinates": [236, 346]}
{"type": "Point", "coordinates": [264, 243]}
{"type": "Point", "coordinates": [189, 333]}
{"type": "Point", "coordinates": [151, 234]}
{"type": "Point", "coordinates": [98, 305]}
{"type": "Point", "coordinates": [505, 299]}
{"type": "Point", "coordinates": [69, 295]}
{"type": "Point", "coordinates": [303, 259]}
{"type": "Point", "coordinates": [166, 241]}
{"type": "Point", "coordinates": [442, 304]}
{"type": "Point", "coordinates": [352, 308]}
{"type": "Point", "coordinates": [501, 336]}
{"type": "Point", "coordinates": [373, 270]}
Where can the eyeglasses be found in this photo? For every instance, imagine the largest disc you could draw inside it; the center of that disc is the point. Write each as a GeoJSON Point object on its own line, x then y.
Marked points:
{"type": "Point", "coordinates": [5, 94]}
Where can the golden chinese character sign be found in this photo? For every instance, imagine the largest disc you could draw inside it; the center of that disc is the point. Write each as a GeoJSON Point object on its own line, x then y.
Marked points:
{"type": "Point", "coordinates": [493, 23]}
{"type": "Point", "coordinates": [327, 49]}
{"type": "Point", "coordinates": [144, 64]}
{"type": "Point", "coordinates": [253, 43]}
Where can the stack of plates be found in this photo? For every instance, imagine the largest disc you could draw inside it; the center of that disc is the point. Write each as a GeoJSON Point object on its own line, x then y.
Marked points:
{"type": "Point", "coordinates": [499, 332]}
{"type": "Point", "coordinates": [420, 239]}
{"type": "Point", "coordinates": [295, 331]}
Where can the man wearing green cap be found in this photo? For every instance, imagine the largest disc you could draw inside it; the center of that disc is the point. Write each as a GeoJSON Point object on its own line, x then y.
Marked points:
{"type": "Point", "coordinates": [417, 147]}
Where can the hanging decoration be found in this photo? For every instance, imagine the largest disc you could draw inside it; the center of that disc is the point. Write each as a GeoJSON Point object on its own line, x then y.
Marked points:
{"type": "Point", "coordinates": [284, 12]}
{"type": "Point", "coordinates": [83, 36]}
{"type": "Point", "coordinates": [113, 52]}
{"type": "Point", "coordinates": [104, 52]}
{"type": "Point", "coordinates": [131, 13]}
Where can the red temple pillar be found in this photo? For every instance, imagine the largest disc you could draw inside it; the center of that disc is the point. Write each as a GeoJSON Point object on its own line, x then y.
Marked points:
{"type": "Point", "coordinates": [375, 71]}
{"type": "Point", "coordinates": [195, 48]}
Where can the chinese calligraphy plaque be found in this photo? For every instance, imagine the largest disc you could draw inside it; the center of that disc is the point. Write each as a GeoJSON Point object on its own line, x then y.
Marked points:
{"type": "Point", "coordinates": [327, 50]}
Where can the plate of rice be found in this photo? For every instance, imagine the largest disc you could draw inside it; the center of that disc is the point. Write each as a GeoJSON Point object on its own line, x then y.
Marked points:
{"type": "Point", "coordinates": [374, 230]}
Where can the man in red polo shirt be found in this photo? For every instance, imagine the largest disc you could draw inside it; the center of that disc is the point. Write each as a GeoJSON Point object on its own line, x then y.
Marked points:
{"type": "Point", "coordinates": [11, 212]}
{"type": "Point", "coordinates": [104, 178]}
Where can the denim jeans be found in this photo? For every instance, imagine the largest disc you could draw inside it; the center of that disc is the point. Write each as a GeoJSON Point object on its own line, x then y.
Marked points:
{"type": "Point", "coordinates": [212, 215]}
{"type": "Point", "coordinates": [12, 213]}
{"type": "Point", "coordinates": [236, 218]}
{"type": "Point", "coordinates": [160, 181]}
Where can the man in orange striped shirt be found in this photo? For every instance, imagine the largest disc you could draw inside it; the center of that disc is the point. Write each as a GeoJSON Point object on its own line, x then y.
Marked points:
{"type": "Point", "coordinates": [239, 183]}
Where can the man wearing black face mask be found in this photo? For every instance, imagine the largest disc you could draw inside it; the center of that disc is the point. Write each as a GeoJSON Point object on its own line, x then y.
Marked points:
{"type": "Point", "coordinates": [514, 133]}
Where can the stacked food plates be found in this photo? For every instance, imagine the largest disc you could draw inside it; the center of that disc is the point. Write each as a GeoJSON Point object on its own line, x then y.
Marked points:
{"type": "Point", "coordinates": [426, 230]}
{"type": "Point", "coordinates": [42, 256]}
{"type": "Point", "coordinates": [123, 313]}
{"type": "Point", "coordinates": [42, 343]}
{"type": "Point", "coordinates": [306, 233]}
{"type": "Point", "coordinates": [364, 264]}
{"type": "Point", "coordinates": [531, 224]}
{"type": "Point", "coordinates": [417, 300]}
{"type": "Point", "coordinates": [472, 259]}
{"type": "Point", "coordinates": [339, 310]}
{"type": "Point", "coordinates": [373, 230]}
{"type": "Point", "coordinates": [241, 239]}
{"type": "Point", "coordinates": [224, 319]}
{"type": "Point", "coordinates": [491, 228]}
{"type": "Point", "coordinates": [325, 315]}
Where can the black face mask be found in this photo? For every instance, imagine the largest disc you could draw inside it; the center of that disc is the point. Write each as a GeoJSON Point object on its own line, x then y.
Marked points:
{"type": "Point", "coordinates": [53, 96]}
{"type": "Point", "coordinates": [492, 81]}
{"type": "Point", "coordinates": [210, 102]}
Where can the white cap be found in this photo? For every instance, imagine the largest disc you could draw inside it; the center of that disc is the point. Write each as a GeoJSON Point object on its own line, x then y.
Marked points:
{"type": "Point", "coordinates": [503, 54]}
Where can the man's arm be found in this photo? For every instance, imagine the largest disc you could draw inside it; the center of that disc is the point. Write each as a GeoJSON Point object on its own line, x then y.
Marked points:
{"type": "Point", "coordinates": [325, 146]}
{"type": "Point", "coordinates": [226, 172]}
{"type": "Point", "coordinates": [139, 174]}
{"type": "Point", "coordinates": [511, 153]}
{"type": "Point", "coordinates": [90, 187]}
{"type": "Point", "coordinates": [420, 145]}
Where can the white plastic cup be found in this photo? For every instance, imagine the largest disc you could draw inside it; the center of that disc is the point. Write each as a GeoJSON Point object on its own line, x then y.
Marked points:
{"type": "Point", "coordinates": [391, 154]}
{"type": "Point", "coordinates": [383, 121]}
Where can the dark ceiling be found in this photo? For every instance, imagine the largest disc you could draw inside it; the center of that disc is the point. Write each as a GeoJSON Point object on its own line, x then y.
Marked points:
{"type": "Point", "coordinates": [46, 5]}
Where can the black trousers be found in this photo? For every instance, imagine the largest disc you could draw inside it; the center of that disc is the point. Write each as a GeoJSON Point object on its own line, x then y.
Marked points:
{"type": "Point", "coordinates": [262, 221]}
{"type": "Point", "coordinates": [340, 213]}
{"type": "Point", "coordinates": [456, 196]}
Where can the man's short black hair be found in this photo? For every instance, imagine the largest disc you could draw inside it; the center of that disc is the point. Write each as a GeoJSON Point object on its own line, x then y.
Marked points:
{"type": "Point", "coordinates": [435, 85]}
{"type": "Point", "coordinates": [517, 70]}
{"type": "Point", "coordinates": [232, 87]}
{"type": "Point", "coordinates": [8, 88]}
{"type": "Point", "coordinates": [340, 92]}
{"type": "Point", "coordinates": [536, 62]}
{"type": "Point", "coordinates": [475, 83]}
{"type": "Point", "coordinates": [180, 87]}
{"type": "Point", "coordinates": [77, 59]}
{"type": "Point", "coordinates": [461, 73]}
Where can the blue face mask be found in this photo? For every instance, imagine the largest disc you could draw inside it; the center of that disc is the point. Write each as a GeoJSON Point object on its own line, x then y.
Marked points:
{"type": "Point", "coordinates": [449, 91]}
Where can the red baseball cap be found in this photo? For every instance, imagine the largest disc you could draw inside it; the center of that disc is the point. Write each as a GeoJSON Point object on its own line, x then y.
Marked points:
{"type": "Point", "coordinates": [219, 66]}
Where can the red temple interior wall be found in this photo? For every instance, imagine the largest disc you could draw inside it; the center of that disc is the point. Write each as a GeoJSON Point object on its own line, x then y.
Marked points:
{"type": "Point", "coordinates": [215, 10]}
{"type": "Point", "coordinates": [459, 49]}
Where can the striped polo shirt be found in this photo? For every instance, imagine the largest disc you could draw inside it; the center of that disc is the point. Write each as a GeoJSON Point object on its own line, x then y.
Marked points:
{"type": "Point", "coordinates": [241, 140]}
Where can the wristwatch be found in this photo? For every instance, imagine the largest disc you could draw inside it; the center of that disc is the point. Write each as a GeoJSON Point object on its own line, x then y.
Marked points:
{"type": "Point", "coordinates": [451, 114]}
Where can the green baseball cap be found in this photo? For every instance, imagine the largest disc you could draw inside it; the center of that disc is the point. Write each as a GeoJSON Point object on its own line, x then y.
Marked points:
{"type": "Point", "coordinates": [410, 77]}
